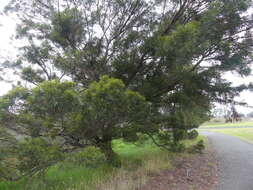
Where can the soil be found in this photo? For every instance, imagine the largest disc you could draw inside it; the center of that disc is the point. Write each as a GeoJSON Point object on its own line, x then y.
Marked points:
{"type": "Point", "coordinates": [195, 172]}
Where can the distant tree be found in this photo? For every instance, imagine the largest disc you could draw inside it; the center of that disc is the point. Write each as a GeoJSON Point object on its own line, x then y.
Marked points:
{"type": "Point", "coordinates": [233, 115]}
{"type": "Point", "coordinates": [218, 112]}
{"type": "Point", "coordinates": [250, 115]}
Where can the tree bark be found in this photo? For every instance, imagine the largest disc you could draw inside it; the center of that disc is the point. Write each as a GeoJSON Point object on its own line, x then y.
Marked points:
{"type": "Point", "coordinates": [111, 157]}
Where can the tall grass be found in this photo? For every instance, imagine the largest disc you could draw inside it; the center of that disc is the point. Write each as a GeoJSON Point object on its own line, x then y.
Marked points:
{"type": "Point", "coordinates": [138, 163]}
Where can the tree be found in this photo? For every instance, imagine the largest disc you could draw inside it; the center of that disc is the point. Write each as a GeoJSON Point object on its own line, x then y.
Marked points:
{"type": "Point", "coordinates": [133, 41]}
{"type": "Point", "coordinates": [250, 115]}
{"type": "Point", "coordinates": [173, 53]}
{"type": "Point", "coordinates": [109, 111]}
{"type": "Point", "coordinates": [103, 112]}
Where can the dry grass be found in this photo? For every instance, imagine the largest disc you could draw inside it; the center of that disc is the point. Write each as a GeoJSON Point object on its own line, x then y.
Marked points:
{"type": "Point", "coordinates": [128, 178]}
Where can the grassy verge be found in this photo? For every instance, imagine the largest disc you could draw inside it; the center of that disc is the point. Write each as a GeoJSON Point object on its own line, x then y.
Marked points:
{"type": "Point", "coordinates": [221, 124]}
{"type": "Point", "coordinates": [242, 133]}
{"type": "Point", "coordinates": [139, 162]}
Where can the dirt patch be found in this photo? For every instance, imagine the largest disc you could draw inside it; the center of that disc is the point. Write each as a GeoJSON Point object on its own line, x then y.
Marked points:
{"type": "Point", "coordinates": [195, 172]}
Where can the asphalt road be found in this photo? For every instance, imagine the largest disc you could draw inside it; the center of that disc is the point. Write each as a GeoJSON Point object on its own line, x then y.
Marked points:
{"type": "Point", "coordinates": [236, 161]}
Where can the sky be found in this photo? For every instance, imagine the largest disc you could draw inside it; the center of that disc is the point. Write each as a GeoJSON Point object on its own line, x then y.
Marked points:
{"type": "Point", "coordinates": [8, 49]}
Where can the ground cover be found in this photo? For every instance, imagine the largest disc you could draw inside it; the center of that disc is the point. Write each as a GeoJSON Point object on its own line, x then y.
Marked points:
{"type": "Point", "coordinates": [139, 162]}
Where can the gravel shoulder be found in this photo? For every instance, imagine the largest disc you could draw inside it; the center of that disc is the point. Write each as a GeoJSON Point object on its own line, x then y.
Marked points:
{"type": "Point", "coordinates": [235, 161]}
{"type": "Point", "coordinates": [195, 172]}
{"type": "Point", "coordinates": [228, 166]}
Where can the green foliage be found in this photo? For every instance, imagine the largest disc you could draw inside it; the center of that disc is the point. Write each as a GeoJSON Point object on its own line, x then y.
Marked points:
{"type": "Point", "coordinates": [90, 157]}
{"type": "Point", "coordinates": [177, 147]}
{"type": "Point", "coordinates": [11, 101]}
{"type": "Point", "coordinates": [133, 69]}
{"type": "Point", "coordinates": [67, 27]}
{"type": "Point", "coordinates": [7, 161]}
{"type": "Point", "coordinates": [193, 134]}
{"type": "Point", "coordinates": [36, 155]}
{"type": "Point", "coordinates": [142, 139]}
{"type": "Point", "coordinates": [7, 168]}
{"type": "Point", "coordinates": [108, 111]}
{"type": "Point", "coordinates": [197, 148]}
{"type": "Point", "coordinates": [31, 75]}
{"type": "Point", "coordinates": [185, 39]}
{"type": "Point", "coordinates": [103, 112]}
{"type": "Point", "coordinates": [57, 99]}
{"type": "Point", "coordinates": [179, 134]}
{"type": "Point", "coordinates": [137, 163]}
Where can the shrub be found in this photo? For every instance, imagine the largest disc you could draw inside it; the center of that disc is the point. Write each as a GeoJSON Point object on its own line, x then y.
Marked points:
{"type": "Point", "coordinates": [197, 148]}
{"type": "Point", "coordinates": [193, 134]}
{"type": "Point", "coordinates": [8, 165]}
{"type": "Point", "coordinates": [36, 155]}
{"type": "Point", "coordinates": [177, 147]}
{"type": "Point", "coordinates": [142, 139]}
{"type": "Point", "coordinates": [90, 157]}
{"type": "Point", "coordinates": [179, 134]}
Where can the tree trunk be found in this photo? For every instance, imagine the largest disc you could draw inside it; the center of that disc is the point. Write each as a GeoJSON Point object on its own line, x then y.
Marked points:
{"type": "Point", "coordinates": [112, 158]}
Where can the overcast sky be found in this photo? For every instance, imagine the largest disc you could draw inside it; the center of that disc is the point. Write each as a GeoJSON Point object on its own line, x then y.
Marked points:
{"type": "Point", "coordinates": [7, 48]}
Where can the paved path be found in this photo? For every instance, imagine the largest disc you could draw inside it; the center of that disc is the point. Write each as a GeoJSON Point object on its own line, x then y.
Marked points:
{"type": "Point", "coordinates": [236, 161]}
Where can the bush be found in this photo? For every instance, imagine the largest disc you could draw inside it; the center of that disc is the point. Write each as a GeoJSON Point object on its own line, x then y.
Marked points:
{"type": "Point", "coordinates": [177, 147]}
{"type": "Point", "coordinates": [36, 155]}
{"type": "Point", "coordinates": [193, 134]}
{"type": "Point", "coordinates": [179, 134]}
{"type": "Point", "coordinates": [8, 160]}
{"type": "Point", "coordinates": [7, 172]}
{"type": "Point", "coordinates": [142, 139]}
{"type": "Point", "coordinates": [90, 157]}
{"type": "Point", "coordinates": [197, 148]}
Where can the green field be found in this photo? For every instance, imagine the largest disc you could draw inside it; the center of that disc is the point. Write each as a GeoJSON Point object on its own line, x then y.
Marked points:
{"type": "Point", "coordinates": [222, 124]}
{"type": "Point", "coordinates": [242, 133]}
{"type": "Point", "coordinates": [138, 162]}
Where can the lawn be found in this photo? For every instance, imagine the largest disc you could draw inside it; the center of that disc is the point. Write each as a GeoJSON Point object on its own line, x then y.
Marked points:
{"type": "Point", "coordinates": [138, 162]}
{"type": "Point", "coordinates": [242, 133]}
{"type": "Point", "coordinates": [222, 124]}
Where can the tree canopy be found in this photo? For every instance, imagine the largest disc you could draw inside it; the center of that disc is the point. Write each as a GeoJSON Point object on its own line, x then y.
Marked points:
{"type": "Point", "coordinates": [102, 70]}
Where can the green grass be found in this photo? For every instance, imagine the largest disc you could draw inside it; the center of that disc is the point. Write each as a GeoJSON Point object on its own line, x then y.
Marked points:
{"type": "Point", "coordinates": [189, 143]}
{"type": "Point", "coordinates": [242, 133]}
{"type": "Point", "coordinates": [68, 176]}
{"type": "Point", "coordinates": [138, 162]}
{"type": "Point", "coordinates": [222, 124]}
